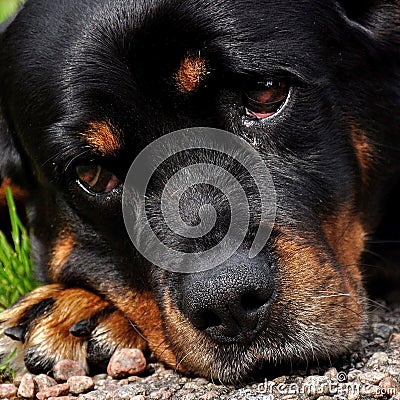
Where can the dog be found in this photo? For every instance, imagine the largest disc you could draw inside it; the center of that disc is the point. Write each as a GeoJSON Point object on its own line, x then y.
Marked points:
{"type": "Point", "coordinates": [313, 86]}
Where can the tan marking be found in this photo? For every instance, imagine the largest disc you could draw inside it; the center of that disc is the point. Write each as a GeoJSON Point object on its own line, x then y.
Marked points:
{"type": "Point", "coordinates": [190, 74]}
{"type": "Point", "coordinates": [322, 296]}
{"type": "Point", "coordinates": [19, 194]}
{"type": "Point", "coordinates": [363, 152]}
{"type": "Point", "coordinates": [103, 137]}
{"type": "Point", "coordinates": [118, 331]}
{"type": "Point", "coordinates": [143, 311]}
{"type": "Point", "coordinates": [61, 252]}
{"type": "Point", "coordinates": [345, 234]}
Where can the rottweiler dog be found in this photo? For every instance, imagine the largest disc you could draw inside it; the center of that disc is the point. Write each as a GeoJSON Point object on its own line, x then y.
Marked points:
{"type": "Point", "coordinates": [312, 85]}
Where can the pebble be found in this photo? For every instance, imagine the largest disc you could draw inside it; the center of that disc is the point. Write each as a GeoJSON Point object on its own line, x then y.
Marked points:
{"type": "Point", "coordinates": [96, 395]}
{"type": "Point", "coordinates": [353, 375]}
{"type": "Point", "coordinates": [55, 391]}
{"type": "Point", "coordinates": [373, 377]}
{"type": "Point", "coordinates": [316, 386]}
{"type": "Point", "coordinates": [395, 338]}
{"type": "Point", "coordinates": [65, 369]}
{"type": "Point", "coordinates": [43, 382]}
{"type": "Point", "coordinates": [126, 362]}
{"type": "Point", "coordinates": [382, 330]}
{"type": "Point", "coordinates": [61, 398]}
{"type": "Point", "coordinates": [331, 374]}
{"type": "Point", "coordinates": [212, 395]}
{"type": "Point", "coordinates": [127, 392]}
{"type": "Point", "coordinates": [7, 391]}
{"type": "Point", "coordinates": [389, 385]}
{"type": "Point", "coordinates": [26, 387]}
{"type": "Point", "coordinates": [378, 359]}
{"type": "Point", "coordinates": [80, 384]}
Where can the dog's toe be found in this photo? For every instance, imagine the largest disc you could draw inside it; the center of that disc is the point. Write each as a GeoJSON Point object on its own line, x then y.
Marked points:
{"type": "Point", "coordinates": [53, 323]}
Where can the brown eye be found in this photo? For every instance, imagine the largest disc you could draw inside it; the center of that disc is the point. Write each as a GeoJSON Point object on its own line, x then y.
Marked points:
{"type": "Point", "coordinates": [96, 179]}
{"type": "Point", "coordinates": [266, 99]}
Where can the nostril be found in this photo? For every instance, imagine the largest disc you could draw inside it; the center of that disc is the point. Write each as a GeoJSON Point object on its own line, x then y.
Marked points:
{"type": "Point", "coordinates": [206, 319]}
{"type": "Point", "coordinates": [253, 301]}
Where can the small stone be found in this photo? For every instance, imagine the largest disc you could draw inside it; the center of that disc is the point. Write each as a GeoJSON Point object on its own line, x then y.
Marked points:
{"type": "Point", "coordinates": [61, 398]}
{"type": "Point", "coordinates": [27, 387]}
{"type": "Point", "coordinates": [133, 378]}
{"type": "Point", "coordinates": [139, 397]}
{"type": "Point", "coordinates": [389, 386]}
{"type": "Point", "coordinates": [128, 392]}
{"type": "Point", "coordinates": [96, 395]}
{"type": "Point", "coordinates": [395, 338]}
{"type": "Point", "coordinates": [280, 380]}
{"type": "Point", "coordinates": [80, 384]}
{"type": "Point", "coordinates": [352, 375]}
{"type": "Point", "coordinates": [373, 377]}
{"type": "Point", "coordinates": [162, 394]}
{"type": "Point", "coordinates": [43, 382]}
{"type": "Point", "coordinates": [126, 362]}
{"type": "Point", "coordinates": [190, 386]}
{"type": "Point", "coordinates": [54, 391]}
{"type": "Point", "coordinates": [382, 330]}
{"type": "Point", "coordinates": [378, 359]}
{"type": "Point", "coordinates": [212, 395]}
{"type": "Point", "coordinates": [316, 386]}
{"type": "Point", "coordinates": [331, 374]}
{"type": "Point", "coordinates": [64, 369]}
{"type": "Point", "coordinates": [7, 391]}
{"type": "Point", "coordinates": [99, 377]}
{"type": "Point", "coordinates": [111, 386]}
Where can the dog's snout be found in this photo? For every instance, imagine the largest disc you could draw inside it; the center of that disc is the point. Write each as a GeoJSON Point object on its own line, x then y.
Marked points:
{"type": "Point", "coordinates": [229, 304]}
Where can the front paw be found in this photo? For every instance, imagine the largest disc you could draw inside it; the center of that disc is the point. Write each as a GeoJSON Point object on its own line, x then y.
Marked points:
{"type": "Point", "coordinates": [54, 323]}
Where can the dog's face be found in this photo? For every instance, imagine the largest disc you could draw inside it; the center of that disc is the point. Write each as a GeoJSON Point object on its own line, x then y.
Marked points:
{"type": "Point", "coordinates": [304, 83]}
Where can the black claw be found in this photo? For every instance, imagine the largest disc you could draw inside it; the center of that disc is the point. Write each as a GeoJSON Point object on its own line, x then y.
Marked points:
{"type": "Point", "coordinates": [82, 328]}
{"type": "Point", "coordinates": [16, 333]}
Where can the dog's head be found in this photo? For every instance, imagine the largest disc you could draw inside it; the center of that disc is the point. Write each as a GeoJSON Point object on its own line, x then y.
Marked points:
{"type": "Point", "coordinates": [311, 85]}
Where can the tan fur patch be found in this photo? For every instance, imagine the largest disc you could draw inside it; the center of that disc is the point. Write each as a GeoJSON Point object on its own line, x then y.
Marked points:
{"type": "Point", "coordinates": [143, 311]}
{"type": "Point", "coordinates": [363, 152]}
{"type": "Point", "coordinates": [191, 72]}
{"type": "Point", "coordinates": [345, 234]}
{"type": "Point", "coordinates": [321, 295]}
{"type": "Point", "coordinates": [61, 252]}
{"type": "Point", "coordinates": [18, 193]}
{"type": "Point", "coordinates": [103, 137]}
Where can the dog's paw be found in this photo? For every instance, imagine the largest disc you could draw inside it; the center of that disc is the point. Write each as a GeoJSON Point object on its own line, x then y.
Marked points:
{"type": "Point", "coordinates": [54, 323]}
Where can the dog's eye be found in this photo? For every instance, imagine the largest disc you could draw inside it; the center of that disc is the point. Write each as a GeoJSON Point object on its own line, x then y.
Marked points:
{"type": "Point", "coordinates": [266, 99]}
{"type": "Point", "coordinates": [96, 179]}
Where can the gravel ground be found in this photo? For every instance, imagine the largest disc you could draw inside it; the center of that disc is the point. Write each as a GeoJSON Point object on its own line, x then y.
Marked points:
{"type": "Point", "coordinates": [371, 372]}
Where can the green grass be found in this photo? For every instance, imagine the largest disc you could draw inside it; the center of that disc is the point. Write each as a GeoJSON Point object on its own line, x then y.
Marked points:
{"type": "Point", "coordinates": [15, 260]}
{"type": "Point", "coordinates": [7, 373]}
{"type": "Point", "coordinates": [7, 7]}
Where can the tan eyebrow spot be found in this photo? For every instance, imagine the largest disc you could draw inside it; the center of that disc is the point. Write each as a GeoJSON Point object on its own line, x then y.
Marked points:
{"type": "Point", "coordinates": [103, 137]}
{"type": "Point", "coordinates": [190, 74]}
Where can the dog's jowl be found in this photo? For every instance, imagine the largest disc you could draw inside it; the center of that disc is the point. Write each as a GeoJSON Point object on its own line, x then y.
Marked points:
{"type": "Point", "coordinates": [312, 87]}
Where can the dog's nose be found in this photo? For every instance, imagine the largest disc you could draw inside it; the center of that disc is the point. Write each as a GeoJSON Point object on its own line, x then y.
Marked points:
{"type": "Point", "coordinates": [231, 303]}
